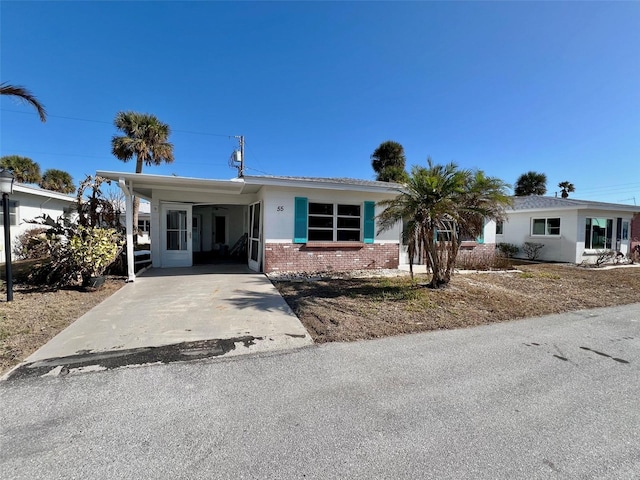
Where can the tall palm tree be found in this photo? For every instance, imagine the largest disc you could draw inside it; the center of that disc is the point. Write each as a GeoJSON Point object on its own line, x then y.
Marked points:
{"type": "Point", "coordinates": [531, 183]}
{"type": "Point", "coordinates": [57, 180]}
{"type": "Point", "coordinates": [442, 198]}
{"type": "Point", "coordinates": [24, 169]}
{"type": "Point", "coordinates": [25, 95]}
{"type": "Point", "coordinates": [567, 187]}
{"type": "Point", "coordinates": [146, 138]}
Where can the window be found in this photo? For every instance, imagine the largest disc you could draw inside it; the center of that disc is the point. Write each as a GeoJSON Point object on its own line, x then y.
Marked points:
{"type": "Point", "coordinates": [545, 226]}
{"type": "Point", "coordinates": [143, 226]}
{"type": "Point", "coordinates": [598, 233]}
{"type": "Point", "coordinates": [13, 213]}
{"type": "Point", "coordinates": [499, 227]}
{"type": "Point", "coordinates": [444, 234]}
{"type": "Point", "coordinates": [622, 231]}
{"type": "Point", "coordinates": [334, 222]}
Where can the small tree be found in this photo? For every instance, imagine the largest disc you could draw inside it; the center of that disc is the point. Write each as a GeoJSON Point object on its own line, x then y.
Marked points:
{"type": "Point", "coordinates": [24, 169]}
{"type": "Point", "coordinates": [438, 206]}
{"type": "Point", "coordinates": [567, 188]}
{"type": "Point", "coordinates": [94, 208]}
{"type": "Point", "coordinates": [531, 183]}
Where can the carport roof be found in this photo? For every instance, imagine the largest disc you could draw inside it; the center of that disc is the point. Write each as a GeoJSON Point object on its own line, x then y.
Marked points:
{"type": "Point", "coordinates": [142, 183]}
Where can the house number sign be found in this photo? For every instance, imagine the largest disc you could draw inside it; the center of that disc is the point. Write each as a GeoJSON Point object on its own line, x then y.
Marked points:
{"type": "Point", "coordinates": [280, 208]}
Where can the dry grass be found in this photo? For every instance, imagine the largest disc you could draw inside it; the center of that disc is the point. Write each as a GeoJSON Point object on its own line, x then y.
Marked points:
{"type": "Point", "coordinates": [346, 310]}
{"type": "Point", "coordinates": [35, 316]}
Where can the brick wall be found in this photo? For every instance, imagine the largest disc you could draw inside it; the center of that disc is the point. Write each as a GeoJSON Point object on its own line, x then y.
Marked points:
{"type": "Point", "coordinates": [290, 257]}
{"type": "Point", "coordinates": [477, 247]}
{"type": "Point", "coordinates": [635, 231]}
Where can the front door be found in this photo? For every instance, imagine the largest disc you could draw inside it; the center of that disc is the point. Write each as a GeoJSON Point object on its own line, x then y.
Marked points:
{"type": "Point", "coordinates": [255, 237]}
{"type": "Point", "coordinates": [177, 246]}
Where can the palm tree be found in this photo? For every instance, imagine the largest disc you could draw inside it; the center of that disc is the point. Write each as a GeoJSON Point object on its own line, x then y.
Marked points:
{"type": "Point", "coordinates": [442, 198]}
{"type": "Point", "coordinates": [58, 181]}
{"type": "Point", "coordinates": [25, 95]}
{"type": "Point", "coordinates": [531, 183]}
{"type": "Point", "coordinates": [388, 161]}
{"type": "Point", "coordinates": [24, 169]}
{"type": "Point", "coordinates": [567, 187]}
{"type": "Point", "coordinates": [146, 138]}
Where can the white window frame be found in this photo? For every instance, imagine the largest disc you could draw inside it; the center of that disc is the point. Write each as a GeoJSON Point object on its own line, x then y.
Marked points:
{"type": "Point", "coordinates": [146, 226]}
{"type": "Point", "coordinates": [608, 236]}
{"type": "Point", "coordinates": [14, 206]}
{"type": "Point", "coordinates": [334, 221]}
{"type": "Point", "coordinates": [500, 224]}
{"type": "Point", "coordinates": [547, 227]}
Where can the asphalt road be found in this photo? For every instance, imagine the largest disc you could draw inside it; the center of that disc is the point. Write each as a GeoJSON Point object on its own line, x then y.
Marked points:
{"type": "Point", "coordinates": [553, 397]}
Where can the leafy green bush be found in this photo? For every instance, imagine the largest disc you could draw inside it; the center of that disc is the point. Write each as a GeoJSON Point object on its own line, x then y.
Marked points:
{"type": "Point", "coordinates": [75, 252]}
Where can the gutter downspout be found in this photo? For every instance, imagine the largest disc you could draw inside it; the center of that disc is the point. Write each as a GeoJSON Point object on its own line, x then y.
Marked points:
{"type": "Point", "coordinates": [131, 275]}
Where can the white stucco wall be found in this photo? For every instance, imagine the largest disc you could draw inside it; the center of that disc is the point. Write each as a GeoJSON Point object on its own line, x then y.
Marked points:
{"type": "Point", "coordinates": [278, 204]}
{"type": "Point", "coordinates": [557, 248]}
{"type": "Point", "coordinates": [29, 207]}
{"type": "Point", "coordinates": [569, 245]}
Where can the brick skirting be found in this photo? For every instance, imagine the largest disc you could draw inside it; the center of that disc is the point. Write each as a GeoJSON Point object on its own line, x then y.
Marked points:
{"type": "Point", "coordinates": [291, 257]}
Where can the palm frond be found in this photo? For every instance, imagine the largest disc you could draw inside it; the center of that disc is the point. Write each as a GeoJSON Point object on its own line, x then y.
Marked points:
{"type": "Point", "coordinates": [25, 95]}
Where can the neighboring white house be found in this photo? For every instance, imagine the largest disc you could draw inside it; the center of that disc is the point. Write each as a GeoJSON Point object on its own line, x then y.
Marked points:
{"type": "Point", "coordinates": [571, 230]}
{"type": "Point", "coordinates": [286, 223]}
{"type": "Point", "coordinates": [27, 203]}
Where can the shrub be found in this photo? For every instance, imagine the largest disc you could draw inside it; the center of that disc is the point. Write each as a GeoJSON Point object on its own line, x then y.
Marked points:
{"type": "Point", "coordinates": [29, 245]}
{"type": "Point", "coordinates": [634, 255]}
{"type": "Point", "coordinates": [604, 256]}
{"type": "Point", "coordinates": [508, 249]}
{"type": "Point", "coordinates": [532, 249]}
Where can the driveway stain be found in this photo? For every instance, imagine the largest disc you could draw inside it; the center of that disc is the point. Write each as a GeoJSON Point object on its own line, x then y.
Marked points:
{"type": "Point", "coordinates": [136, 356]}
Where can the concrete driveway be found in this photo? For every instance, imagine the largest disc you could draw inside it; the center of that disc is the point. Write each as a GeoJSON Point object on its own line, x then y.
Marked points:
{"type": "Point", "coordinates": [192, 312]}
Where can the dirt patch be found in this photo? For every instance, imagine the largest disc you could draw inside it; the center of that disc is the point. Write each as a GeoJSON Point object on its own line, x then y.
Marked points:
{"type": "Point", "coordinates": [35, 316]}
{"type": "Point", "coordinates": [353, 309]}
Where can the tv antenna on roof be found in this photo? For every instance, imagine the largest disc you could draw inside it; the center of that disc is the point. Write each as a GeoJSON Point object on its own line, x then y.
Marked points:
{"type": "Point", "coordinates": [237, 157]}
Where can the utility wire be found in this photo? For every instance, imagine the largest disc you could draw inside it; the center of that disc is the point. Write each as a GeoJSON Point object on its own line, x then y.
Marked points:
{"type": "Point", "coordinates": [110, 123]}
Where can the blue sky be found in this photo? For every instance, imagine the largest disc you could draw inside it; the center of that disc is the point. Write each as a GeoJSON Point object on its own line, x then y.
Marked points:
{"type": "Point", "coordinates": [506, 87]}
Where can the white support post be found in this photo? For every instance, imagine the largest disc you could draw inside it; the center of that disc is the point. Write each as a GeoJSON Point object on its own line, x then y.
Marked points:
{"type": "Point", "coordinates": [131, 275]}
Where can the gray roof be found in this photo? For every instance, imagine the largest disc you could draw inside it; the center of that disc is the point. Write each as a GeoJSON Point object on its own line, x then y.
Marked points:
{"type": "Point", "coordinates": [537, 202]}
{"type": "Point", "coordinates": [338, 180]}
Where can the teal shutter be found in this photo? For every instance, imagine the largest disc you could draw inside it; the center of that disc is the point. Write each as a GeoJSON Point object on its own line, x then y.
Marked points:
{"type": "Point", "coordinates": [369, 222]}
{"type": "Point", "coordinates": [480, 238]}
{"type": "Point", "coordinates": [300, 221]}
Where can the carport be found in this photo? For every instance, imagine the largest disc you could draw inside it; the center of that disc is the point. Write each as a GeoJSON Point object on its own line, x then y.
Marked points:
{"type": "Point", "coordinates": [194, 218]}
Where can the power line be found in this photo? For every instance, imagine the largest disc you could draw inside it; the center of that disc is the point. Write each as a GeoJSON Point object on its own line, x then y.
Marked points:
{"type": "Point", "coordinates": [110, 123]}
